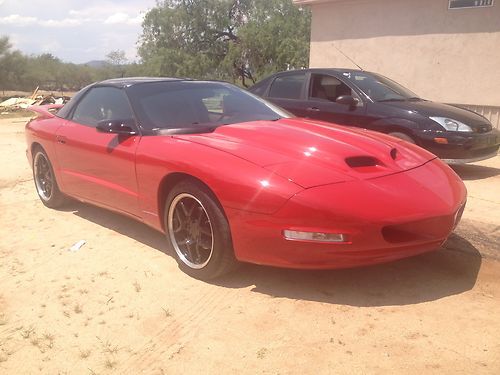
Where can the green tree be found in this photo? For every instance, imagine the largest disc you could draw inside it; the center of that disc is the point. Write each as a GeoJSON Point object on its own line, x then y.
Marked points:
{"type": "Point", "coordinates": [221, 39]}
{"type": "Point", "coordinates": [117, 57]}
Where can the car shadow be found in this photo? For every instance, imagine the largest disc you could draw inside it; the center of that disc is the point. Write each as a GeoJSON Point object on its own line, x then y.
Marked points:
{"type": "Point", "coordinates": [428, 277]}
{"type": "Point", "coordinates": [475, 172]}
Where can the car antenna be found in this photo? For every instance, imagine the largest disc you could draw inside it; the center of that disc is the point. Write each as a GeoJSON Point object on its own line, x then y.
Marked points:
{"type": "Point", "coordinates": [348, 58]}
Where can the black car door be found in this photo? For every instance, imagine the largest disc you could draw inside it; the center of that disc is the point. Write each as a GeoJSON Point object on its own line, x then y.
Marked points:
{"type": "Point", "coordinates": [323, 91]}
{"type": "Point", "coordinates": [287, 91]}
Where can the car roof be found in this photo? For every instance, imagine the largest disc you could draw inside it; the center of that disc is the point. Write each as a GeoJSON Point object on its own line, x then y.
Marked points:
{"type": "Point", "coordinates": [324, 70]}
{"type": "Point", "coordinates": [131, 81]}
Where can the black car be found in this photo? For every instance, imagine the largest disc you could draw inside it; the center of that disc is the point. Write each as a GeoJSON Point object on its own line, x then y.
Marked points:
{"type": "Point", "coordinates": [372, 101]}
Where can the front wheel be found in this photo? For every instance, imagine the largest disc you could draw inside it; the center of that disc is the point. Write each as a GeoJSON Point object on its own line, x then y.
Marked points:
{"type": "Point", "coordinates": [198, 231]}
{"type": "Point", "coordinates": [45, 180]}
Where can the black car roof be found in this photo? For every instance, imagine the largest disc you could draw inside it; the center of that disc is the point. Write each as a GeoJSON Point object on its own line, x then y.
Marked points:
{"type": "Point", "coordinates": [130, 81]}
{"type": "Point", "coordinates": [324, 70]}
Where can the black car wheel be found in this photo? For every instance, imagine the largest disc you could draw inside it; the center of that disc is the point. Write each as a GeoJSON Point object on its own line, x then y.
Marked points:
{"type": "Point", "coordinates": [45, 180]}
{"type": "Point", "coordinates": [198, 232]}
{"type": "Point", "coordinates": [404, 137]}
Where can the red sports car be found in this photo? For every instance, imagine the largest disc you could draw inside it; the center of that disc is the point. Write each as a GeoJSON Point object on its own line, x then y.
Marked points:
{"type": "Point", "coordinates": [229, 177]}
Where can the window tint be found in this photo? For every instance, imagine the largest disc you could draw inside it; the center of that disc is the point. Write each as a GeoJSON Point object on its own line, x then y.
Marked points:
{"type": "Point", "coordinates": [379, 88]}
{"type": "Point", "coordinates": [65, 111]}
{"type": "Point", "coordinates": [197, 105]}
{"type": "Point", "coordinates": [329, 88]}
{"type": "Point", "coordinates": [259, 88]}
{"type": "Point", "coordinates": [102, 103]}
{"type": "Point", "coordinates": [288, 86]}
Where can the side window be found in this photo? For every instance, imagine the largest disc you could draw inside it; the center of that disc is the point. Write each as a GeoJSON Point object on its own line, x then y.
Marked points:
{"type": "Point", "coordinates": [259, 88]}
{"type": "Point", "coordinates": [288, 86]}
{"type": "Point", "coordinates": [102, 103]}
{"type": "Point", "coordinates": [328, 88]}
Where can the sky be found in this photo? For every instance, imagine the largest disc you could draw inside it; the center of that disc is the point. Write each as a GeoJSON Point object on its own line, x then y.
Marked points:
{"type": "Point", "coordinates": [76, 31]}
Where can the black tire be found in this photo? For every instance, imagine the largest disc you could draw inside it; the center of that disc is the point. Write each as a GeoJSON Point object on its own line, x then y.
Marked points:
{"type": "Point", "coordinates": [198, 232]}
{"type": "Point", "coordinates": [45, 180]}
{"type": "Point", "coordinates": [404, 137]}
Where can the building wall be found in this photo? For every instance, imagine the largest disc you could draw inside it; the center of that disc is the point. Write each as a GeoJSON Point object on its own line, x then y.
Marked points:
{"type": "Point", "coordinates": [451, 56]}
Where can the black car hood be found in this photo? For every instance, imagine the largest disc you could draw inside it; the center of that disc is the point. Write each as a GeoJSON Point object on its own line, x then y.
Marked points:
{"type": "Point", "coordinates": [433, 109]}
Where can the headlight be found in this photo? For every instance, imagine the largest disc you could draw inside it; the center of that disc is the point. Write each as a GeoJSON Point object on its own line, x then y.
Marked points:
{"type": "Point", "coordinates": [451, 125]}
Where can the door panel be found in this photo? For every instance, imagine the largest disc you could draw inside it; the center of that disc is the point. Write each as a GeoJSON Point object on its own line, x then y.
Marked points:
{"type": "Point", "coordinates": [98, 167]}
{"type": "Point", "coordinates": [287, 91]}
{"type": "Point", "coordinates": [337, 113]}
{"type": "Point", "coordinates": [323, 90]}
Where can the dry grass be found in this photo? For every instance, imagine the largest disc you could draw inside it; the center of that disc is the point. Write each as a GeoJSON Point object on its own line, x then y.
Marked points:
{"type": "Point", "coordinates": [261, 353]}
{"type": "Point", "coordinates": [137, 286]}
{"type": "Point", "coordinates": [110, 363]}
{"type": "Point", "coordinates": [167, 312]}
{"type": "Point", "coordinates": [78, 309]}
{"type": "Point", "coordinates": [85, 353]}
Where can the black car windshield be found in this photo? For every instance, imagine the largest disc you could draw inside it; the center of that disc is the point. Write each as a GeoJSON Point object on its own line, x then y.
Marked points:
{"type": "Point", "coordinates": [379, 88]}
{"type": "Point", "coordinates": [197, 105]}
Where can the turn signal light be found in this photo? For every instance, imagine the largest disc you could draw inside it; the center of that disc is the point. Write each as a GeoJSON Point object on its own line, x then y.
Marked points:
{"type": "Point", "coordinates": [441, 141]}
{"type": "Point", "coordinates": [314, 236]}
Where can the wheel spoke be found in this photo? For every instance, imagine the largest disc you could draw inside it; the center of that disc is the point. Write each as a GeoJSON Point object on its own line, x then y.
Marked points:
{"type": "Point", "coordinates": [190, 231]}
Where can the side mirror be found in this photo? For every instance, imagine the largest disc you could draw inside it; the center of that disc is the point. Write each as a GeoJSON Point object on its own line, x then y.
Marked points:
{"type": "Point", "coordinates": [116, 127]}
{"type": "Point", "coordinates": [347, 100]}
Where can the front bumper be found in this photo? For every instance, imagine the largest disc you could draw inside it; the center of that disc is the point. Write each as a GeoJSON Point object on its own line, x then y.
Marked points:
{"type": "Point", "coordinates": [460, 147]}
{"type": "Point", "coordinates": [384, 219]}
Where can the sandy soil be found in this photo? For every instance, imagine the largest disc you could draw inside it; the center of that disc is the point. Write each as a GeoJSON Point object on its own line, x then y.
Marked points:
{"type": "Point", "coordinates": [120, 304]}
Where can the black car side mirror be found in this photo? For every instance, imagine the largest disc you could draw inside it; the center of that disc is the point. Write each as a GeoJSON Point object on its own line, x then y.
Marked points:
{"type": "Point", "coordinates": [116, 127]}
{"type": "Point", "coordinates": [347, 100]}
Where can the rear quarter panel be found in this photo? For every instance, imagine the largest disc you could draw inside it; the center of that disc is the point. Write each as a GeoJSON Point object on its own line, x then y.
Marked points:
{"type": "Point", "coordinates": [42, 131]}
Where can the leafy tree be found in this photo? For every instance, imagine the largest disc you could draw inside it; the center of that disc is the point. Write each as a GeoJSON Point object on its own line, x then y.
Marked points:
{"type": "Point", "coordinates": [239, 39]}
{"type": "Point", "coordinates": [117, 57]}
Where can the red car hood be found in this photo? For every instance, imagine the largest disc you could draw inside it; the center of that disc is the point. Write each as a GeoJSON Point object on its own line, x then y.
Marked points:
{"type": "Point", "coordinates": [311, 153]}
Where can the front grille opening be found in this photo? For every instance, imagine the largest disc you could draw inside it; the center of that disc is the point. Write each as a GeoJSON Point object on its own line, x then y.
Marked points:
{"type": "Point", "coordinates": [392, 234]}
{"type": "Point", "coordinates": [362, 161]}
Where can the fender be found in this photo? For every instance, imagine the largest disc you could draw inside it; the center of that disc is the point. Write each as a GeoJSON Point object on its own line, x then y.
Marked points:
{"type": "Point", "coordinates": [389, 124]}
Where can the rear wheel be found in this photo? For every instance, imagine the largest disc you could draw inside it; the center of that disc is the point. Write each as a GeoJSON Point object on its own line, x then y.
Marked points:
{"type": "Point", "coordinates": [45, 180]}
{"type": "Point", "coordinates": [404, 137]}
{"type": "Point", "coordinates": [198, 231]}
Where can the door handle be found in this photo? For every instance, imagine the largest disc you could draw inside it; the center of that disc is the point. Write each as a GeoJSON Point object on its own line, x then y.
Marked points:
{"type": "Point", "coordinates": [313, 109]}
{"type": "Point", "coordinates": [61, 139]}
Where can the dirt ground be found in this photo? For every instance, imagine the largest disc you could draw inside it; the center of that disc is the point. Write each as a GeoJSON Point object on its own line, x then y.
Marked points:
{"type": "Point", "coordinates": [121, 305]}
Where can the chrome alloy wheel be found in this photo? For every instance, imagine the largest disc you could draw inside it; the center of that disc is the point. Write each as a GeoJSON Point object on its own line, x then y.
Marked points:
{"type": "Point", "coordinates": [44, 178]}
{"type": "Point", "coordinates": [190, 231]}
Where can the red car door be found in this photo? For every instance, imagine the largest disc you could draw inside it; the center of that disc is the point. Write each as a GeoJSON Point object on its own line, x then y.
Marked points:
{"type": "Point", "coordinates": [96, 166]}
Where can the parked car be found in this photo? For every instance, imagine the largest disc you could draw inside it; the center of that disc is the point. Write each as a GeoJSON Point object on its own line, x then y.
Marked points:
{"type": "Point", "coordinates": [372, 101]}
{"type": "Point", "coordinates": [230, 177]}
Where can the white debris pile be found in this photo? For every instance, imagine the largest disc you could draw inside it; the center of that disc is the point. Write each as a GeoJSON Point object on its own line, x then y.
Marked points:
{"type": "Point", "coordinates": [17, 103]}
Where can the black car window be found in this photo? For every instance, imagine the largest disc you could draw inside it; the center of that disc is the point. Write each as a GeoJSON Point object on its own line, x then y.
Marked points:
{"type": "Point", "coordinates": [325, 87]}
{"type": "Point", "coordinates": [102, 103]}
{"type": "Point", "coordinates": [197, 105]}
{"type": "Point", "coordinates": [288, 86]}
{"type": "Point", "coordinates": [66, 110]}
{"type": "Point", "coordinates": [379, 88]}
{"type": "Point", "coordinates": [259, 88]}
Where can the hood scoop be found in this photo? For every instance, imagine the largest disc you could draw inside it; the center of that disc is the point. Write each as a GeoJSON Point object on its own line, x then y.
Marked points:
{"type": "Point", "coordinates": [362, 161]}
{"type": "Point", "coordinates": [312, 154]}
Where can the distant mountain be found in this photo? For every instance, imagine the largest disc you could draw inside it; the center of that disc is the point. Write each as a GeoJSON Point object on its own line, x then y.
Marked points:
{"type": "Point", "coordinates": [96, 63]}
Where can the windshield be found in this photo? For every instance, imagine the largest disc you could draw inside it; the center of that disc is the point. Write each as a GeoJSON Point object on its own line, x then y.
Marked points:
{"type": "Point", "coordinates": [379, 88]}
{"type": "Point", "coordinates": [197, 105]}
